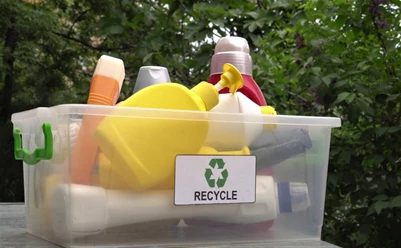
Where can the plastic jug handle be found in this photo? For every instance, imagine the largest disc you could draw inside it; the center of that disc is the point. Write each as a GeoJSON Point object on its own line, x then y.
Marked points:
{"type": "Point", "coordinates": [44, 153]}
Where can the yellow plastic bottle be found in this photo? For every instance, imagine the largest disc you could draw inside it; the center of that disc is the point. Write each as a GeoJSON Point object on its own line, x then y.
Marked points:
{"type": "Point", "coordinates": [143, 150]}
{"type": "Point", "coordinates": [111, 179]}
{"type": "Point", "coordinates": [268, 110]}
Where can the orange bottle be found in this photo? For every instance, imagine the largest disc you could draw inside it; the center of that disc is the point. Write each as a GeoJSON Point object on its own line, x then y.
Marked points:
{"type": "Point", "coordinates": [104, 90]}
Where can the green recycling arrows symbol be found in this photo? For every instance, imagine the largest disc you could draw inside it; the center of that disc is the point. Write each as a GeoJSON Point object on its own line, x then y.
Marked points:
{"type": "Point", "coordinates": [224, 174]}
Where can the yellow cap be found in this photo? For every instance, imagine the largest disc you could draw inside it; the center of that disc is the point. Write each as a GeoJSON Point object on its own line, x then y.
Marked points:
{"type": "Point", "coordinates": [268, 110]}
{"type": "Point", "coordinates": [231, 78]}
{"type": "Point", "coordinates": [208, 93]}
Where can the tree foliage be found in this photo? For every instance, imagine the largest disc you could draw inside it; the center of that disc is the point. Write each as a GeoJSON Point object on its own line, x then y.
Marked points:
{"type": "Point", "coordinates": [315, 57]}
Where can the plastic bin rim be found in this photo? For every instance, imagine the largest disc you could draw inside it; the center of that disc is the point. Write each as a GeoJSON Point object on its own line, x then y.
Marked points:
{"type": "Point", "coordinates": [85, 109]}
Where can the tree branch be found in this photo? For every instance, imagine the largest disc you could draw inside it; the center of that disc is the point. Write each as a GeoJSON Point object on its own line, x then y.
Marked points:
{"type": "Point", "coordinates": [383, 45]}
{"type": "Point", "coordinates": [77, 20]}
{"type": "Point", "coordinates": [77, 40]}
{"type": "Point", "coordinates": [98, 48]}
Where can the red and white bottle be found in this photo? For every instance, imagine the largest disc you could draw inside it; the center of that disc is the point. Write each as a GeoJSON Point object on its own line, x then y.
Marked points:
{"type": "Point", "coordinates": [235, 50]}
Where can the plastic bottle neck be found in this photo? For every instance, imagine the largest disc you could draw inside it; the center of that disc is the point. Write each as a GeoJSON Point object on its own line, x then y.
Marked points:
{"type": "Point", "coordinates": [207, 93]}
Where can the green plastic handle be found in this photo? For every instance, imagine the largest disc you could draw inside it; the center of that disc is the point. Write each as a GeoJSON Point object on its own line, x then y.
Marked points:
{"type": "Point", "coordinates": [45, 153]}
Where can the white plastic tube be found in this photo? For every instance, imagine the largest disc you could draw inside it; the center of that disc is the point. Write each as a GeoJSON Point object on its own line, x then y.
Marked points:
{"type": "Point", "coordinates": [80, 210]}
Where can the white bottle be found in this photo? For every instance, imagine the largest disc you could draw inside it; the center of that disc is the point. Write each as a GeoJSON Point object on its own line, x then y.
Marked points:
{"type": "Point", "coordinates": [81, 210]}
{"type": "Point", "coordinates": [226, 136]}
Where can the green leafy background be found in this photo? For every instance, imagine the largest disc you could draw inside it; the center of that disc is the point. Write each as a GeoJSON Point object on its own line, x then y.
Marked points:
{"type": "Point", "coordinates": [318, 57]}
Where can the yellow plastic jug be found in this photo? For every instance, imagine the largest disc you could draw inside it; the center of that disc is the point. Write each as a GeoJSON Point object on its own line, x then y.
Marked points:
{"type": "Point", "coordinates": [111, 179]}
{"type": "Point", "coordinates": [143, 150]}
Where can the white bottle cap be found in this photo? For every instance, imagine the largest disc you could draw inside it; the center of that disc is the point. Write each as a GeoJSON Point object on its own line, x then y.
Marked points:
{"type": "Point", "coordinates": [149, 75]}
{"type": "Point", "coordinates": [234, 50]}
{"type": "Point", "coordinates": [292, 197]}
{"type": "Point", "coordinates": [111, 67]}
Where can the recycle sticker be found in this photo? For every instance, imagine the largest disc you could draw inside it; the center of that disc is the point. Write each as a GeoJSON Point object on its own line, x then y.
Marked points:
{"type": "Point", "coordinates": [216, 163]}
{"type": "Point", "coordinates": [204, 179]}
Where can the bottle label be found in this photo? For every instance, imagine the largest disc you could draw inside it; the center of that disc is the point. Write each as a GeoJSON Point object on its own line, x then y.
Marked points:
{"type": "Point", "coordinates": [211, 179]}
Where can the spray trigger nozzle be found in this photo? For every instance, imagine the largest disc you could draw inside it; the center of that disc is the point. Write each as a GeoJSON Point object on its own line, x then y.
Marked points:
{"type": "Point", "coordinates": [230, 78]}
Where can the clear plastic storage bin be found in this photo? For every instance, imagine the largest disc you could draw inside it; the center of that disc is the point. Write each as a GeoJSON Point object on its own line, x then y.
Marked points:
{"type": "Point", "coordinates": [168, 177]}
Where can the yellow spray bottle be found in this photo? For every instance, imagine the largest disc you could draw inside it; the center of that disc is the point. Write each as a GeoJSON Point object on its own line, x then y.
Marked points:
{"type": "Point", "coordinates": [143, 150]}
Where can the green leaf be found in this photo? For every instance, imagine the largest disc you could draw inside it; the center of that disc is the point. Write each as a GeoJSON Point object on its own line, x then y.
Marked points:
{"type": "Point", "coordinates": [361, 89]}
{"type": "Point", "coordinates": [392, 44]}
{"type": "Point", "coordinates": [260, 23]}
{"type": "Point", "coordinates": [333, 179]}
{"type": "Point", "coordinates": [314, 81]}
{"type": "Point", "coordinates": [173, 8]}
{"type": "Point", "coordinates": [255, 39]}
{"type": "Point", "coordinates": [353, 113]}
{"type": "Point", "coordinates": [190, 33]}
{"type": "Point", "coordinates": [340, 83]}
{"type": "Point", "coordinates": [252, 26]}
{"type": "Point", "coordinates": [380, 131]}
{"type": "Point", "coordinates": [392, 97]}
{"type": "Point", "coordinates": [384, 87]}
{"type": "Point", "coordinates": [336, 60]}
{"type": "Point", "coordinates": [318, 42]}
{"type": "Point", "coordinates": [333, 10]}
{"type": "Point", "coordinates": [350, 98]}
{"type": "Point", "coordinates": [362, 238]}
{"type": "Point", "coordinates": [281, 33]}
{"type": "Point", "coordinates": [299, 16]}
{"type": "Point", "coordinates": [316, 70]}
{"type": "Point", "coordinates": [380, 198]}
{"type": "Point", "coordinates": [147, 57]}
{"type": "Point", "coordinates": [371, 210]}
{"type": "Point", "coordinates": [279, 4]}
{"type": "Point", "coordinates": [310, 59]}
{"type": "Point", "coordinates": [327, 80]}
{"type": "Point", "coordinates": [393, 129]}
{"type": "Point", "coordinates": [301, 72]}
{"type": "Point", "coordinates": [380, 205]}
{"type": "Point", "coordinates": [234, 12]}
{"type": "Point", "coordinates": [116, 29]}
{"type": "Point", "coordinates": [364, 106]}
{"type": "Point", "coordinates": [361, 64]}
{"type": "Point", "coordinates": [396, 202]}
{"type": "Point", "coordinates": [253, 14]}
{"type": "Point", "coordinates": [341, 97]}
{"type": "Point", "coordinates": [339, 22]}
